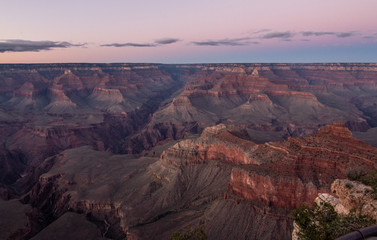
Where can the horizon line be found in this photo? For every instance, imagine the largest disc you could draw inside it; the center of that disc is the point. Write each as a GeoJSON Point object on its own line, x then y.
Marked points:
{"type": "Point", "coordinates": [189, 63]}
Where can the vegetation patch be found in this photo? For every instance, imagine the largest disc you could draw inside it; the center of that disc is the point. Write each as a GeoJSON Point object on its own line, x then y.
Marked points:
{"type": "Point", "coordinates": [322, 222]}
{"type": "Point", "coordinates": [189, 233]}
{"type": "Point", "coordinates": [369, 179]}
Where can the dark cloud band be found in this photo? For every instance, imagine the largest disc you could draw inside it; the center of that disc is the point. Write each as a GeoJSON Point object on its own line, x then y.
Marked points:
{"type": "Point", "coordinates": [15, 45]}
{"type": "Point", "coordinates": [163, 41]}
{"type": "Point", "coordinates": [282, 35]}
{"type": "Point", "coordinates": [226, 42]}
{"type": "Point", "coordinates": [337, 34]}
{"type": "Point", "coordinates": [128, 45]}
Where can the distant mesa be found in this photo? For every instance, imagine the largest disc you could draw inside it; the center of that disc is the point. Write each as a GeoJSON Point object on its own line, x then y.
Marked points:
{"type": "Point", "coordinates": [181, 101]}
{"type": "Point", "coordinates": [107, 99]}
{"type": "Point", "coordinates": [337, 129]}
{"type": "Point", "coordinates": [106, 95]}
{"type": "Point", "coordinates": [255, 73]}
{"type": "Point", "coordinates": [59, 102]}
{"type": "Point", "coordinates": [258, 97]}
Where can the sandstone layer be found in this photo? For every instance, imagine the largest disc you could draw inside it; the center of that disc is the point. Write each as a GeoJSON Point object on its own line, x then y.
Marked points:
{"type": "Point", "coordinates": [48, 112]}
{"type": "Point", "coordinates": [229, 184]}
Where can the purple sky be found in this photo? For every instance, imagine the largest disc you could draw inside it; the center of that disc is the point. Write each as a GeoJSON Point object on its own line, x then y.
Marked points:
{"type": "Point", "coordinates": [195, 31]}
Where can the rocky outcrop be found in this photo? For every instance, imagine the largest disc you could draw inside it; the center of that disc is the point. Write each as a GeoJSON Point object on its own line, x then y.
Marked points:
{"type": "Point", "coordinates": [215, 143]}
{"type": "Point", "coordinates": [347, 196]}
{"type": "Point", "coordinates": [277, 95]}
{"type": "Point", "coordinates": [138, 108]}
{"type": "Point", "coordinates": [199, 180]}
{"type": "Point", "coordinates": [292, 99]}
{"type": "Point", "coordinates": [112, 96]}
{"type": "Point", "coordinates": [283, 191]}
{"type": "Point", "coordinates": [280, 174]}
{"type": "Point", "coordinates": [51, 108]}
{"type": "Point", "coordinates": [353, 195]}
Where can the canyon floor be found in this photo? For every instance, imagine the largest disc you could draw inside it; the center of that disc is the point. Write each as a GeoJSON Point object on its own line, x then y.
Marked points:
{"type": "Point", "coordinates": [140, 151]}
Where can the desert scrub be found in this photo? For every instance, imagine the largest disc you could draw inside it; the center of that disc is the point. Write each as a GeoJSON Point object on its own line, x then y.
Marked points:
{"type": "Point", "coordinates": [369, 179]}
{"type": "Point", "coordinates": [355, 174]}
{"type": "Point", "coordinates": [322, 222]}
{"type": "Point", "coordinates": [189, 233]}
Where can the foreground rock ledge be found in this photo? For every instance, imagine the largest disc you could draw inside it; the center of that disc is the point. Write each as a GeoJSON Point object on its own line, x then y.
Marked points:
{"type": "Point", "coordinates": [234, 187]}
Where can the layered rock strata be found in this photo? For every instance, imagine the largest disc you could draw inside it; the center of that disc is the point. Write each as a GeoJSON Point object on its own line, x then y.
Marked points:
{"type": "Point", "coordinates": [138, 108]}
{"type": "Point", "coordinates": [218, 179]}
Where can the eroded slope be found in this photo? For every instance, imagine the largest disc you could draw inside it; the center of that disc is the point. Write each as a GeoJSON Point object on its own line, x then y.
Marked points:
{"type": "Point", "coordinates": [219, 179]}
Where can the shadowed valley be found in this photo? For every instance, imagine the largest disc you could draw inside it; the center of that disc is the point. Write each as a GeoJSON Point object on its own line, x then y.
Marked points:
{"type": "Point", "coordinates": [139, 151]}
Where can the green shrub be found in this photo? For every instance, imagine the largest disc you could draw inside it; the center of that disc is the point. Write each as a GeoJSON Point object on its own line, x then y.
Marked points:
{"type": "Point", "coordinates": [355, 174]}
{"type": "Point", "coordinates": [324, 223]}
{"type": "Point", "coordinates": [369, 179]}
{"type": "Point", "coordinates": [189, 234]}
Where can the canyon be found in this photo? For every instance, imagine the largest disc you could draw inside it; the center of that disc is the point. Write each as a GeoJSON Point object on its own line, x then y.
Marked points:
{"type": "Point", "coordinates": [139, 151]}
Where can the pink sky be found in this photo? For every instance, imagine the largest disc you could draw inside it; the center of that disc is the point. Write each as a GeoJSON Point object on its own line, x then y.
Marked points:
{"type": "Point", "coordinates": [174, 31]}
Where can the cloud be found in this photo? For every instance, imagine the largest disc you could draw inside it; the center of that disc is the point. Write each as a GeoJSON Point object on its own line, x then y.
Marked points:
{"type": "Point", "coordinates": [310, 33]}
{"type": "Point", "coordinates": [345, 34]}
{"type": "Point", "coordinates": [282, 35]}
{"type": "Point", "coordinates": [165, 41]}
{"type": "Point", "coordinates": [16, 45]}
{"type": "Point", "coordinates": [338, 34]}
{"type": "Point", "coordinates": [370, 36]}
{"type": "Point", "coordinates": [261, 31]}
{"type": "Point", "coordinates": [226, 42]}
{"type": "Point", "coordinates": [162, 41]}
{"type": "Point", "coordinates": [129, 45]}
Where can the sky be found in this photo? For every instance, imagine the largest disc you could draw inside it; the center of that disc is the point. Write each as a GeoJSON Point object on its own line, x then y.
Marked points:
{"type": "Point", "coordinates": [195, 31]}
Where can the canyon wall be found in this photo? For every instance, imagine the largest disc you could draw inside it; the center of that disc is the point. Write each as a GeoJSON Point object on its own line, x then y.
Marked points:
{"type": "Point", "coordinates": [217, 179]}
{"type": "Point", "coordinates": [233, 119]}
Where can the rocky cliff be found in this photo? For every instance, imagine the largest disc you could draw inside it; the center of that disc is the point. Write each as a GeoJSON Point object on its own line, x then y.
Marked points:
{"type": "Point", "coordinates": [49, 108]}
{"type": "Point", "coordinates": [218, 179]}
{"type": "Point", "coordinates": [290, 99]}
{"type": "Point", "coordinates": [227, 113]}
{"type": "Point", "coordinates": [353, 202]}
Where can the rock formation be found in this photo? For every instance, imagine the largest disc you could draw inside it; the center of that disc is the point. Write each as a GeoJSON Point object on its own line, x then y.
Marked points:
{"type": "Point", "coordinates": [216, 175]}
{"type": "Point", "coordinates": [347, 196]}
{"type": "Point", "coordinates": [353, 195]}
{"type": "Point", "coordinates": [218, 179]}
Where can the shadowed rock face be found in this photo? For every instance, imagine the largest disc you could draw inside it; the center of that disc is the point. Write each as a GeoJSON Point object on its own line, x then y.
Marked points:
{"type": "Point", "coordinates": [217, 179]}
{"type": "Point", "coordinates": [143, 108]}
{"type": "Point", "coordinates": [294, 100]}
{"type": "Point", "coordinates": [45, 109]}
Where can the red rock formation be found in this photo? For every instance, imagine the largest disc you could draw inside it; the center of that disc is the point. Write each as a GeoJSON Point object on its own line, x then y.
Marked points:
{"type": "Point", "coordinates": [54, 107]}
{"type": "Point", "coordinates": [272, 191]}
{"type": "Point", "coordinates": [279, 174]}
{"type": "Point", "coordinates": [219, 179]}
{"type": "Point", "coordinates": [131, 108]}
{"type": "Point", "coordinates": [26, 90]}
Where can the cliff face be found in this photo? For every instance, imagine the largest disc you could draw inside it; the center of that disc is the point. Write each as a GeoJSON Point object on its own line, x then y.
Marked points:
{"type": "Point", "coordinates": [346, 197]}
{"type": "Point", "coordinates": [217, 179]}
{"type": "Point", "coordinates": [353, 195]}
{"type": "Point", "coordinates": [292, 99]}
{"type": "Point", "coordinates": [138, 108]}
{"type": "Point", "coordinates": [49, 108]}
{"type": "Point", "coordinates": [282, 174]}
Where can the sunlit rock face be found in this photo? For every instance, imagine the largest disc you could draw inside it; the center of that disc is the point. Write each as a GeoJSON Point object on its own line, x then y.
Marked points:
{"type": "Point", "coordinates": [200, 180]}
{"type": "Point", "coordinates": [347, 196]}
{"type": "Point", "coordinates": [281, 174]}
{"type": "Point", "coordinates": [210, 140]}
